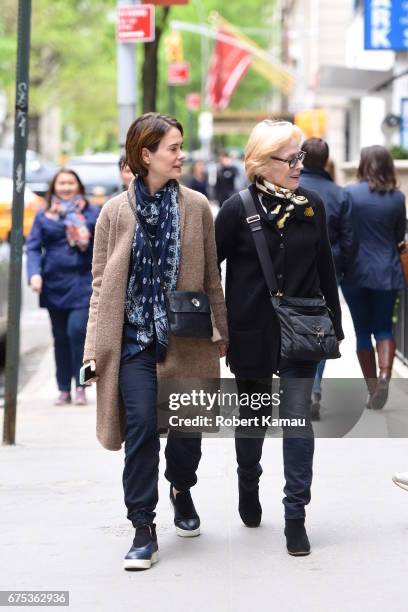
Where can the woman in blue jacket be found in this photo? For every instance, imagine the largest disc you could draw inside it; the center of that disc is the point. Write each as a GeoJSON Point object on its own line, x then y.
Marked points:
{"type": "Point", "coordinates": [59, 262]}
{"type": "Point", "coordinates": [371, 286]}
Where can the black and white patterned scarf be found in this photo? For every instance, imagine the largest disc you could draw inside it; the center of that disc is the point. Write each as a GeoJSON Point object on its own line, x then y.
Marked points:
{"type": "Point", "coordinates": [282, 204]}
{"type": "Point", "coordinates": [145, 306]}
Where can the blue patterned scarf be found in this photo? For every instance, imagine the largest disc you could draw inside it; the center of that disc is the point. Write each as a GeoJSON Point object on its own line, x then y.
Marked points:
{"type": "Point", "coordinates": [145, 306]}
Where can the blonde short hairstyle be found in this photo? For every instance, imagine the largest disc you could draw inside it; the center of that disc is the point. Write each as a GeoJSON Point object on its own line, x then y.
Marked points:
{"type": "Point", "coordinates": [265, 139]}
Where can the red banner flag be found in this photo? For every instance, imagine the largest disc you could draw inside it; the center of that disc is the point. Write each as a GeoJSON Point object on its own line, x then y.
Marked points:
{"type": "Point", "coordinates": [228, 65]}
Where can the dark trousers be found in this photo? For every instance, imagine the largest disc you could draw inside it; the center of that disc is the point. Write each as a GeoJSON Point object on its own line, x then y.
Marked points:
{"type": "Point", "coordinates": [296, 381]}
{"type": "Point", "coordinates": [138, 388]}
{"type": "Point", "coordinates": [69, 331]}
{"type": "Point", "coordinates": [371, 311]}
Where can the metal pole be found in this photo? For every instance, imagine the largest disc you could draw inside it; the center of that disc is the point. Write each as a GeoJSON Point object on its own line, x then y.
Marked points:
{"type": "Point", "coordinates": [190, 131]}
{"type": "Point", "coordinates": [172, 102]}
{"type": "Point", "coordinates": [16, 237]}
{"type": "Point", "coordinates": [205, 54]}
{"type": "Point", "coordinates": [126, 82]}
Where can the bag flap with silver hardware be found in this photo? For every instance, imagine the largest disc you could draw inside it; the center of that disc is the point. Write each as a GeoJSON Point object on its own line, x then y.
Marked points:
{"type": "Point", "coordinates": [188, 301]}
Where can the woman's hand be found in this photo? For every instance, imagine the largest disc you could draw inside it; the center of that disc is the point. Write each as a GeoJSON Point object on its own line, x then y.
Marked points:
{"type": "Point", "coordinates": [222, 349]}
{"type": "Point", "coordinates": [55, 207]}
{"type": "Point", "coordinates": [80, 202]}
{"type": "Point", "coordinates": [36, 283]}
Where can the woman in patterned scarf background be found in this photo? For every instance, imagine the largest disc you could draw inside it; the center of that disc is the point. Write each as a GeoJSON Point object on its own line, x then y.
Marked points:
{"type": "Point", "coordinates": [179, 225]}
{"type": "Point", "coordinates": [59, 260]}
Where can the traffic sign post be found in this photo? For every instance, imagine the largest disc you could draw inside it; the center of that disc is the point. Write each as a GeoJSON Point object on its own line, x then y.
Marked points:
{"type": "Point", "coordinates": [136, 23]}
{"type": "Point", "coordinates": [178, 74]}
{"type": "Point", "coordinates": [193, 101]}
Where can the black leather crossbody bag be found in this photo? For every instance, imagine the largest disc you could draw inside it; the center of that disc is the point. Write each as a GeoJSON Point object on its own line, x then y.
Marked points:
{"type": "Point", "coordinates": [188, 312]}
{"type": "Point", "coordinates": [306, 327]}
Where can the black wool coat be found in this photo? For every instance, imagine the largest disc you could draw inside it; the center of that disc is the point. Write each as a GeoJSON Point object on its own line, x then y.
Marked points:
{"type": "Point", "coordinates": [303, 263]}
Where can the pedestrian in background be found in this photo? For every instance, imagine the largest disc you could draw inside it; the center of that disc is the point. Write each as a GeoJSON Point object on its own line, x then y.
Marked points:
{"type": "Point", "coordinates": [59, 262]}
{"type": "Point", "coordinates": [226, 176]}
{"type": "Point", "coordinates": [128, 337]}
{"type": "Point", "coordinates": [337, 204]}
{"type": "Point", "coordinates": [199, 179]}
{"type": "Point", "coordinates": [237, 161]}
{"type": "Point", "coordinates": [371, 285]}
{"type": "Point", "coordinates": [126, 174]}
{"type": "Point", "coordinates": [294, 224]}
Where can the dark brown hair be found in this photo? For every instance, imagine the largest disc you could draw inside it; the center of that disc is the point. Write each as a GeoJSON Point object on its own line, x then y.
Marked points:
{"type": "Point", "coordinates": [51, 188]}
{"type": "Point", "coordinates": [317, 153]}
{"type": "Point", "coordinates": [330, 168]}
{"type": "Point", "coordinates": [147, 132]}
{"type": "Point", "coordinates": [377, 168]}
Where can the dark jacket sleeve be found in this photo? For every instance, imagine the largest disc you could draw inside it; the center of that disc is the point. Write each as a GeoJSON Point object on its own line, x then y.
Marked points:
{"type": "Point", "coordinates": [327, 274]}
{"type": "Point", "coordinates": [91, 219]}
{"type": "Point", "coordinates": [226, 223]}
{"type": "Point", "coordinates": [212, 283]}
{"type": "Point", "coordinates": [401, 222]}
{"type": "Point", "coordinates": [348, 244]}
{"type": "Point", "coordinates": [34, 248]}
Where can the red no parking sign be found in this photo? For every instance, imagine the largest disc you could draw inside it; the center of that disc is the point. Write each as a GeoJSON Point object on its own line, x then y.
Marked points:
{"type": "Point", "coordinates": [136, 23]}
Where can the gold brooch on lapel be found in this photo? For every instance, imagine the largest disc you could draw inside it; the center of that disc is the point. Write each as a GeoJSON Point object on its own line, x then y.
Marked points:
{"type": "Point", "coordinates": [309, 212]}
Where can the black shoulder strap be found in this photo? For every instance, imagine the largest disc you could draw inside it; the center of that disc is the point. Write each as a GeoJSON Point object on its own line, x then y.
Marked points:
{"type": "Point", "coordinates": [254, 221]}
{"type": "Point", "coordinates": [149, 246]}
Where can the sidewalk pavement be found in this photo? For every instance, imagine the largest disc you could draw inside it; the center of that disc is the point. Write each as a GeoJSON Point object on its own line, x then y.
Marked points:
{"type": "Point", "coordinates": [63, 521]}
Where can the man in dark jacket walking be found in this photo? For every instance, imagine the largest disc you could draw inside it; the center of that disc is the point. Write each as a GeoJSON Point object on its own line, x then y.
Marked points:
{"type": "Point", "coordinates": [337, 203]}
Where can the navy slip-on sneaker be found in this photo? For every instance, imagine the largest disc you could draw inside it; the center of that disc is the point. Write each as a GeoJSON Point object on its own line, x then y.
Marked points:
{"type": "Point", "coordinates": [144, 550]}
{"type": "Point", "coordinates": [186, 519]}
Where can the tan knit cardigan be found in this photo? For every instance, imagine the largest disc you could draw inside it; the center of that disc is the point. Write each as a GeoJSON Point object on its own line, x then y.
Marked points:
{"type": "Point", "coordinates": [198, 271]}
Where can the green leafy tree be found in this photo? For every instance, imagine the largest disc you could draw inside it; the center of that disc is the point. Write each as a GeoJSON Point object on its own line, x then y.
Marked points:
{"type": "Point", "coordinates": [73, 61]}
{"type": "Point", "coordinates": [72, 64]}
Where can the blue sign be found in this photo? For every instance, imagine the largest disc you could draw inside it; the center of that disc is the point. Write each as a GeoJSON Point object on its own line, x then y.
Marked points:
{"type": "Point", "coordinates": [386, 24]}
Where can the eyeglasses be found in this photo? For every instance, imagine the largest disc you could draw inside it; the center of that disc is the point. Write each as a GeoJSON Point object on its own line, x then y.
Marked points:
{"type": "Point", "coordinates": [293, 160]}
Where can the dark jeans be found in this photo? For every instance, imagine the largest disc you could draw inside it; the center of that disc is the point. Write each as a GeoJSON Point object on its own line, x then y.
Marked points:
{"type": "Point", "coordinates": [371, 311]}
{"type": "Point", "coordinates": [138, 388]}
{"type": "Point", "coordinates": [296, 381]}
{"type": "Point", "coordinates": [317, 385]}
{"type": "Point", "coordinates": [69, 331]}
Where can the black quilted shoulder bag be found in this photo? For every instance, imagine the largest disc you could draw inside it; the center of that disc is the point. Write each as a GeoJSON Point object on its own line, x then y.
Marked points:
{"type": "Point", "coordinates": [188, 312]}
{"type": "Point", "coordinates": [306, 327]}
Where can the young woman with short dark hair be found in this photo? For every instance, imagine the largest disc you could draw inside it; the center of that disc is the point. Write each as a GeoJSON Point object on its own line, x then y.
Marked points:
{"type": "Point", "coordinates": [128, 338]}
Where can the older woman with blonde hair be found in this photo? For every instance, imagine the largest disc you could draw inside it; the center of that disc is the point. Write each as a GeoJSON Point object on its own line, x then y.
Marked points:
{"type": "Point", "coordinates": [293, 222]}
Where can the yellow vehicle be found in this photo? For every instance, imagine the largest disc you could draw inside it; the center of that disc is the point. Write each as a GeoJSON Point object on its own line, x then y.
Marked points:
{"type": "Point", "coordinates": [32, 204]}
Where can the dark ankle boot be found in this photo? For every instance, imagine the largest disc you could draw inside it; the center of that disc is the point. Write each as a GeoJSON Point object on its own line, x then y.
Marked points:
{"type": "Point", "coordinates": [249, 507]}
{"type": "Point", "coordinates": [368, 366]}
{"type": "Point", "coordinates": [386, 352]}
{"type": "Point", "coordinates": [297, 541]}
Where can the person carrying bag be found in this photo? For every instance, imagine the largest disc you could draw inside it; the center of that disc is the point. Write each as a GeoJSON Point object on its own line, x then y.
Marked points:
{"type": "Point", "coordinates": [306, 328]}
{"type": "Point", "coordinates": [279, 267]}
